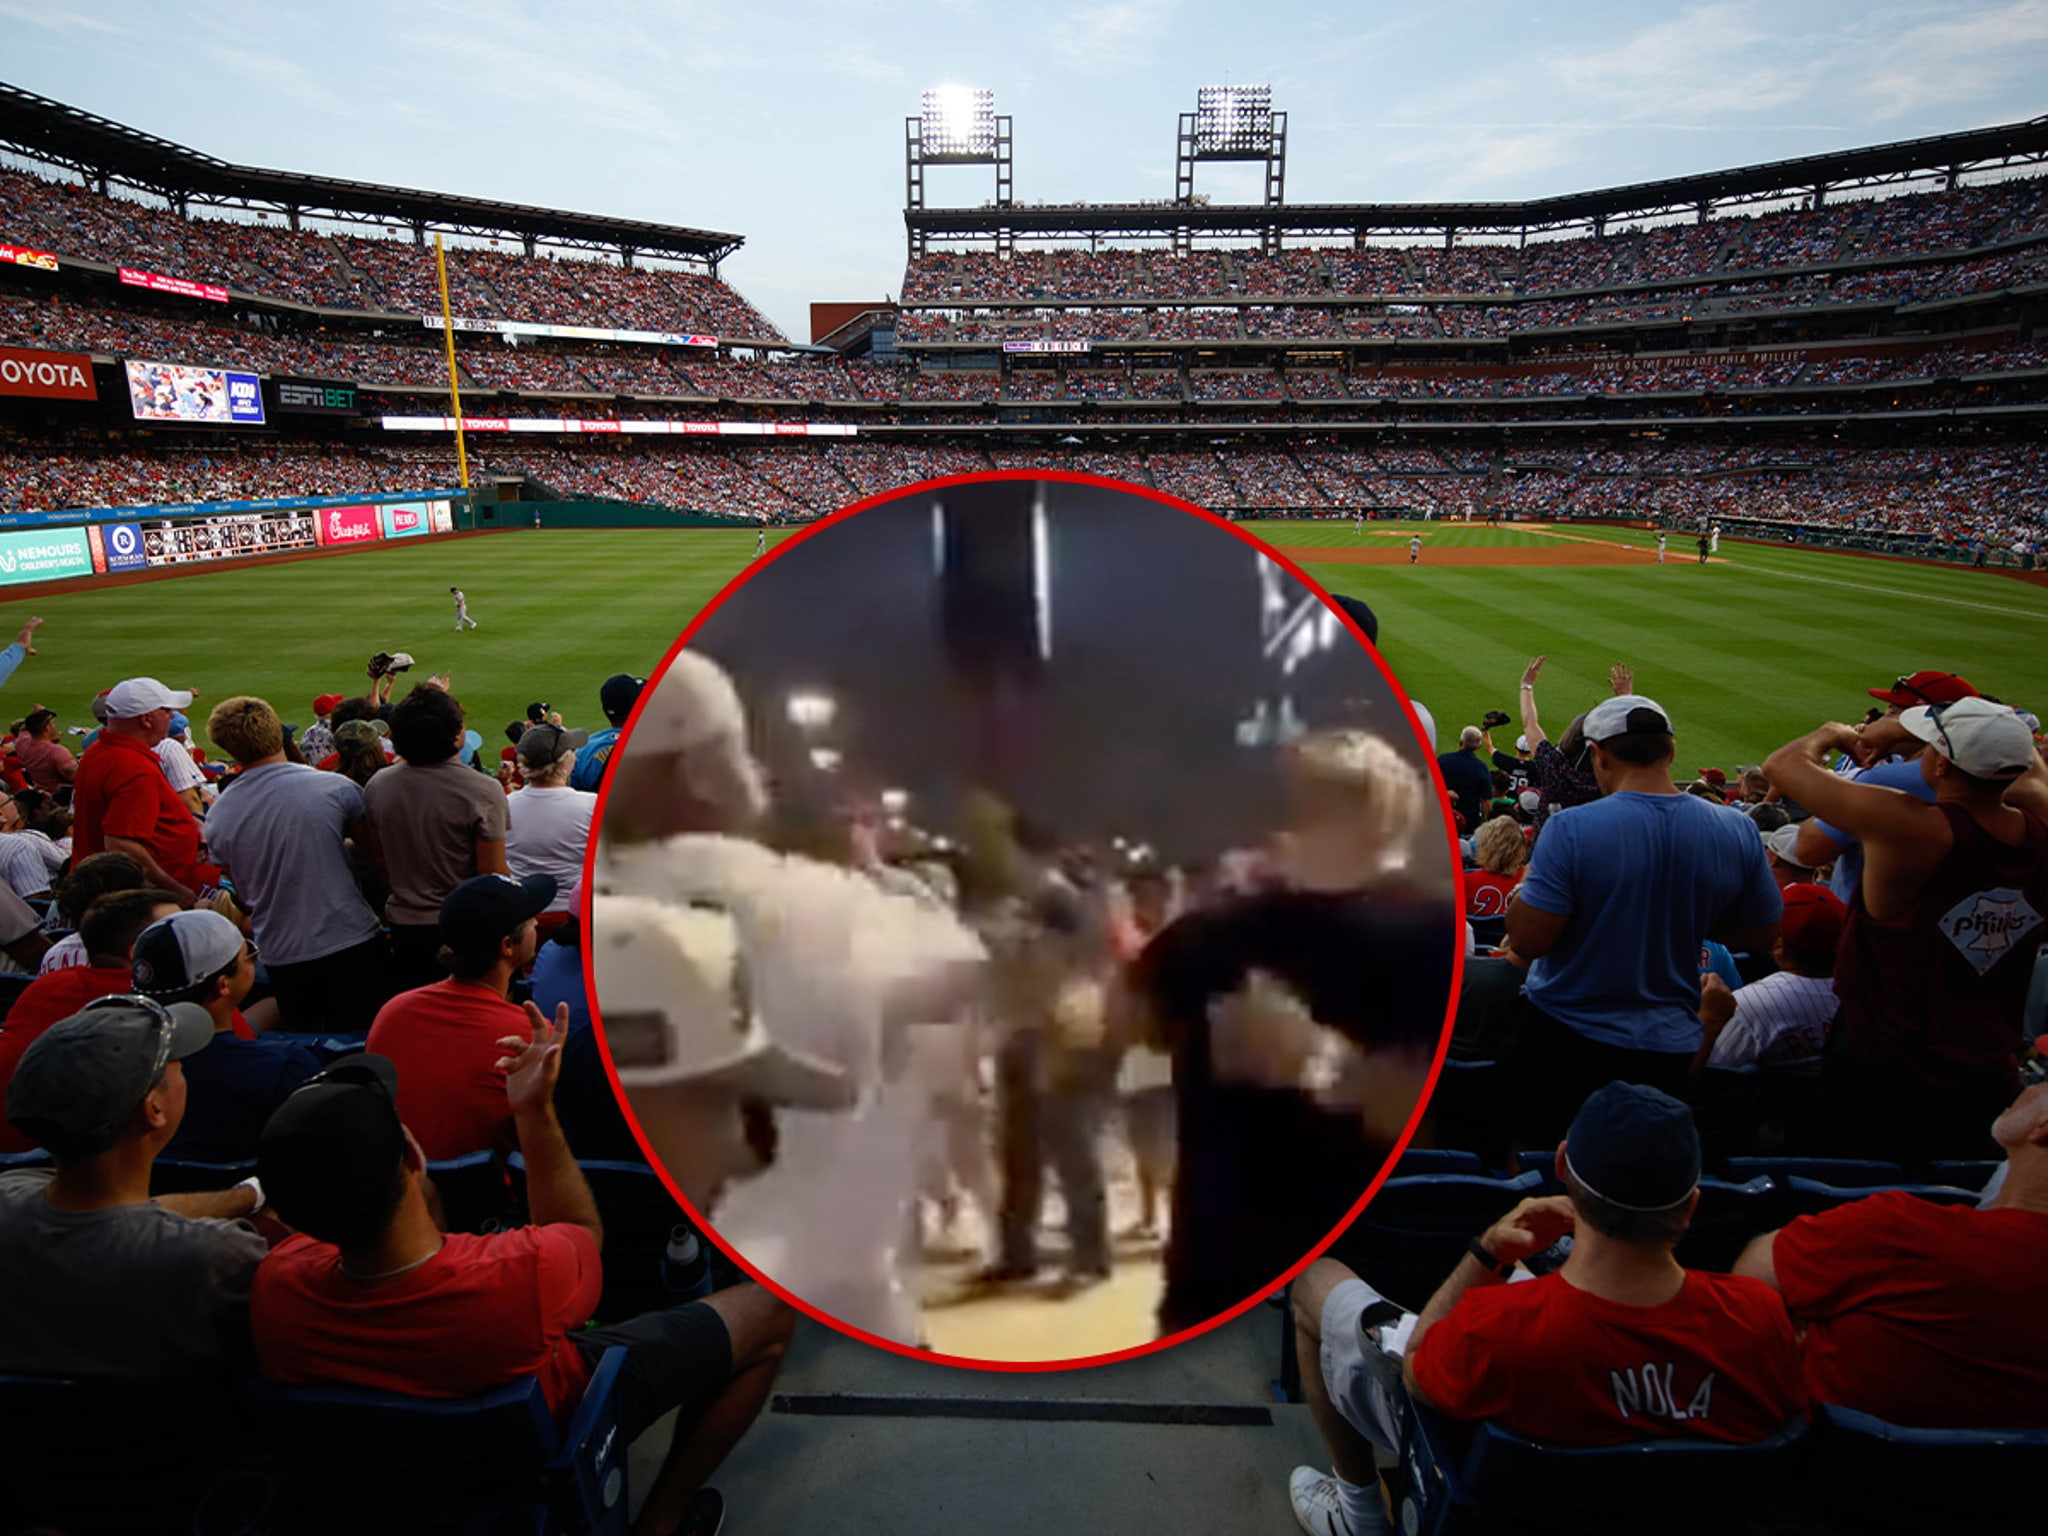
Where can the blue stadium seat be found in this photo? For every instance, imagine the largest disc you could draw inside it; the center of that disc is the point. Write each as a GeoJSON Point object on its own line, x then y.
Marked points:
{"type": "Point", "coordinates": [1850, 1173]}
{"type": "Point", "coordinates": [1868, 1475]}
{"type": "Point", "coordinates": [12, 985]}
{"type": "Point", "coordinates": [331, 1048]}
{"type": "Point", "coordinates": [1728, 1216]}
{"type": "Point", "coordinates": [1483, 1478]}
{"type": "Point", "coordinates": [357, 1460]}
{"type": "Point", "coordinates": [1417, 1161]}
{"type": "Point", "coordinates": [1488, 932]}
{"type": "Point", "coordinates": [1415, 1230]}
{"type": "Point", "coordinates": [174, 1176]}
{"type": "Point", "coordinates": [638, 1214]}
{"type": "Point", "coordinates": [1467, 1110]}
{"type": "Point", "coordinates": [129, 1456]}
{"type": "Point", "coordinates": [476, 1195]}
{"type": "Point", "coordinates": [9, 1161]}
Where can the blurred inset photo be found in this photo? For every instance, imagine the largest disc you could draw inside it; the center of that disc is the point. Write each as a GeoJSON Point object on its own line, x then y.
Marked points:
{"type": "Point", "coordinates": [1024, 921]}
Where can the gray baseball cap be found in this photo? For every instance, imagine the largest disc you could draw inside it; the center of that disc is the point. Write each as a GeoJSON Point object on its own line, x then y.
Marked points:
{"type": "Point", "coordinates": [81, 1079]}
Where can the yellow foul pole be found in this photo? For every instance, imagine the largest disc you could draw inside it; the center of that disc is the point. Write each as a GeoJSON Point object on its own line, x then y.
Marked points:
{"type": "Point", "coordinates": [448, 339]}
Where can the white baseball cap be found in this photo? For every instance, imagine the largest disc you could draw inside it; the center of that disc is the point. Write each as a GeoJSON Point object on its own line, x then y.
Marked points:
{"type": "Point", "coordinates": [694, 705]}
{"type": "Point", "coordinates": [1784, 846]}
{"type": "Point", "coordinates": [137, 696]}
{"type": "Point", "coordinates": [675, 1005]}
{"type": "Point", "coordinates": [1624, 715]}
{"type": "Point", "coordinates": [1985, 740]}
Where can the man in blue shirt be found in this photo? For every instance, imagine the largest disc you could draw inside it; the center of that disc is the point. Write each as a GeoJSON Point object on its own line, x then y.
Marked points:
{"type": "Point", "coordinates": [1467, 777]}
{"type": "Point", "coordinates": [1618, 900]}
{"type": "Point", "coordinates": [619, 694]}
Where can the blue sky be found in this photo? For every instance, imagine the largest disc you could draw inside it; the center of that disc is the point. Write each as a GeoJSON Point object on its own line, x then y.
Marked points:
{"type": "Point", "coordinates": [784, 122]}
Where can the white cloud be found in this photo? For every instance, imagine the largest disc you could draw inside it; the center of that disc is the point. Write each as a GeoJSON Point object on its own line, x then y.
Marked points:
{"type": "Point", "coordinates": [57, 19]}
{"type": "Point", "coordinates": [1950, 58]}
{"type": "Point", "coordinates": [1106, 36]}
{"type": "Point", "coordinates": [1710, 62]}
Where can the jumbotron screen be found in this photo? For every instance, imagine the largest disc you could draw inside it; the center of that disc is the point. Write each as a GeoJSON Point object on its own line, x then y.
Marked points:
{"type": "Point", "coordinates": [212, 396]}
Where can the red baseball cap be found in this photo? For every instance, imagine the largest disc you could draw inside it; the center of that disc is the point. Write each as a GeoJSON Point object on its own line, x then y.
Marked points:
{"type": "Point", "coordinates": [326, 703]}
{"type": "Point", "coordinates": [1926, 688]}
{"type": "Point", "coordinates": [1813, 920]}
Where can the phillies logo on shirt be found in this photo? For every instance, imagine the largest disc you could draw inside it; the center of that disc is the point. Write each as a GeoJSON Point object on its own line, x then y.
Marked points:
{"type": "Point", "coordinates": [1989, 925]}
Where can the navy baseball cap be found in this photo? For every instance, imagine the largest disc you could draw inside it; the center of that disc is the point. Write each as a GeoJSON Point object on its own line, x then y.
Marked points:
{"type": "Point", "coordinates": [329, 1153]}
{"type": "Point", "coordinates": [1359, 614]}
{"type": "Point", "coordinates": [482, 910]}
{"type": "Point", "coordinates": [1635, 1148]}
{"type": "Point", "coordinates": [618, 695]}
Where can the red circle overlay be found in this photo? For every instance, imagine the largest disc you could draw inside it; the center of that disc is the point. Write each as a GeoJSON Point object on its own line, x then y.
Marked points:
{"type": "Point", "coordinates": [706, 1227]}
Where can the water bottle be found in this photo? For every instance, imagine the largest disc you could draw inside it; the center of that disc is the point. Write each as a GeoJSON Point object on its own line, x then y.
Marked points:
{"type": "Point", "coordinates": [685, 1266]}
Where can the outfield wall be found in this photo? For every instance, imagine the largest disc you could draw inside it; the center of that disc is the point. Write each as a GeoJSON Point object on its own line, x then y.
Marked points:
{"type": "Point", "coordinates": [589, 512]}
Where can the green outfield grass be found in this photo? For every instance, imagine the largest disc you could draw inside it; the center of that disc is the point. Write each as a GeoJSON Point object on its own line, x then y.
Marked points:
{"type": "Point", "coordinates": [558, 612]}
{"type": "Point", "coordinates": [1746, 653]}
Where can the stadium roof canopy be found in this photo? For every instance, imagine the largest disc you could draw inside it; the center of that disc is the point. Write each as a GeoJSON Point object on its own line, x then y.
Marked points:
{"type": "Point", "coordinates": [1951, 156]}
{"type": "Point", "coordinates": [41, 129]}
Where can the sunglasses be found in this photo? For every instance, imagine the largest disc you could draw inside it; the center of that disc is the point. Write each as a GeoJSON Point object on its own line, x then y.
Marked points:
{"type": "Point", "coordinates": [1934, 714]}
{"type": "Point", "coordinates": [160, 1022]}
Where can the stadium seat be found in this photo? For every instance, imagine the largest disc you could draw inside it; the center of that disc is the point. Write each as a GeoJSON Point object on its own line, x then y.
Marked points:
{"type": "Point", "coordinates": [1466, 1111]}
{"type": "Point", "coordinates": [638, 1214]}
{"type": "Point", "coordinates": [173, 1176]}
{"type": "Point", "coordinates": [1728, 1216]}
{"type": "Point", "coordinates": [1412, 1234]}
{"type": "Point", "coordinates": [1851, 1173]}
{"type": "Point", "coordinates": [1469, 1479]}
{"type": "Point", "coordinates": [12, 985]}
{"type": "Point", "coordinates": [358, 1460]}
{"type": "Point", "coordinates": [86, 1457]}
{"type": "Point", "coordinates": [1867, 1475]}
{"type": "Point", "coordinates": [476, 1195]}
{"type": "Point", "coordinates": [331, 1048]}
{"type": "Point", "coordinates": [9, 1161]}
{"type": "Point", "coordinates": [1487, 932]}
{"type": "Point", "coordinates": [1417, 1161]}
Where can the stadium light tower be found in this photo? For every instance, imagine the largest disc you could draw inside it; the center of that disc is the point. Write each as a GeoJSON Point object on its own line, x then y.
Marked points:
{"type": "Point", "coordinates": [1232, 122]}
{"type": "Point", "coordinates": [955, 125]}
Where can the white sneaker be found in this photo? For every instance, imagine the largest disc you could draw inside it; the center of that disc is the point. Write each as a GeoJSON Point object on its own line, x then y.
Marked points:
{"type": "Point", "coordinates": [1319, 1506]}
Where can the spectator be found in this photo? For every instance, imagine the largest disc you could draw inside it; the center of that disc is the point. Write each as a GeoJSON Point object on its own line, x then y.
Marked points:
{"type": "Point", "coordinates": [1618, 900]}
{"type": "Point", "coordinates": [182, 768]}
{"type": "Point", "coordinates": [124, 803]}
{"type": "Point", "coordinates": [444, 1038]}
{"type": "Point", "coordinates": [1885, 754]}
{"type": "Point", "coordinates": [1781, 849]}
{"type": "Point", "coordinates": [203, 959]}
{"type": "Point", "coordinates": [102, 1280]}
{"type": "Point", "coordinates": [44, 758]}
{"type": "Point", "coordinates": [1923, 1314]}
{"type": "Point", "coordinates": [23, 647]}
{"type": "Point", "coordinates": [284, 831]}
{"type": "Point", "coordinates": [1467, 778]}
{"type": "Point", "coordinates": [107, 933]}
{"type": "Point", "coordinates": [361, 750]}
{"type": "Point", "coordinates": [29, 861]}
{"type": "Point", "coordinates": [74, 893]}
{"type": "Point", "coordinates": [1942, 932]}
{"type": "Point", "coordinates": [617, 697]}
{"type": "Point", "coordinates": [1780, 1021]}
{"type": "Point", "coordinates": [1562, 774]}
{"type": "Point", "coordinates": [317, 740]}
{"type": "Point", "coordinates": [438, 822]}
{"type": "Point", "coordinates": [548, 823]}
{"type": "Point", "coordinates": [372, 1293]}
{"type": "Point", "coordinates": [1620, 1344]}
{"type": "Point", "coordinates": [1502, 853]}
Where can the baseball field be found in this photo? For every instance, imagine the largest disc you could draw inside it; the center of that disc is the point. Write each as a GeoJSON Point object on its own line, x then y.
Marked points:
{"type": "Point", "coordinates": [1747, 651]}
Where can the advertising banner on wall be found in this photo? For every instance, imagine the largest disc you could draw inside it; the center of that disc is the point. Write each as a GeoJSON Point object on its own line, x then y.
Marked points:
{"type": "Point", "coordinates": [234, 536]}
{"type": "Point", "coordinates": [405, 520]}
{"type": "Point", "coordinates": [44, 555]}
{"type": "Point", "coordinates": [184, 287]}
{"type": "Point", "coordinates": [173, 392]}
{"type": "Point", "coordinates": [26, 256]}
{"type": "Point", "coordinates": [46, 375]}
{"type": "Point", "coordinates": [123, 542]}
{"type": "Point", "coordinates": [347, 525]}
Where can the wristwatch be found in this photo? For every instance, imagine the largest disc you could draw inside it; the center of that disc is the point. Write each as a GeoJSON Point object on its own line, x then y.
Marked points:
{"type": "Point", "coordinates": [1478, 1251]}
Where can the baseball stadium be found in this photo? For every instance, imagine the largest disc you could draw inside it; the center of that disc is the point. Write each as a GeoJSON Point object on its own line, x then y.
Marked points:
{"type": "Point", "coordinates": [1750, 463]}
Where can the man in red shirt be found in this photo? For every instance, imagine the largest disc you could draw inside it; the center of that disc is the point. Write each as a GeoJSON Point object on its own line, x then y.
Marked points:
{"type": "Point", "coordinates": [44, 758]}
{"type": "Point", "coordinates": [124, 803]}
{"type": "Point", "coordinates": [108, 930]}
{"type": "Point", "coordinates": [445, 1039]}
{"type": "Point", "coordinates": [373, 1294]}
{"type": "Point", "coordinates": [1922, 1314]}
{"type": "Point", "coordinates": [1620, 1344]}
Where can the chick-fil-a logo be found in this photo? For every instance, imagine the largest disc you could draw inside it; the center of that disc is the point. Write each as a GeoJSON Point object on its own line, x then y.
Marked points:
{"type": "Point", "coordinates": [347, 525]}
